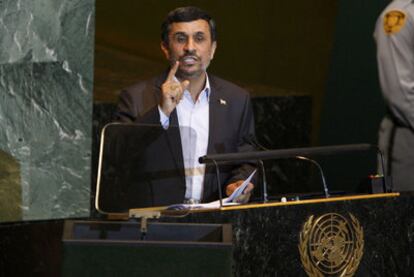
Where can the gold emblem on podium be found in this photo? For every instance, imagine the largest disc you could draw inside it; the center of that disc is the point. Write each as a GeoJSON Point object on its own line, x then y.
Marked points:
{"type": "Point", "coordinates": [331, 245]}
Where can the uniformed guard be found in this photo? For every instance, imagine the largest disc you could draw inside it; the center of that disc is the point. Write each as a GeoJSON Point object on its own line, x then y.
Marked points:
{"type": "Point", "coordinates": [394, 34]}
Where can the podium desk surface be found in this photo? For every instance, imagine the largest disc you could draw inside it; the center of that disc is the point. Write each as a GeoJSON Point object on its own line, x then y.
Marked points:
{"type": "Point", "coordinates": [163, 210]}
{"type": "Point", "coordinates": [310, 201]}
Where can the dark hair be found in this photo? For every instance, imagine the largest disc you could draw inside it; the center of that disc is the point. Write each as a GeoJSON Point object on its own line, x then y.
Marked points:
{"type": "Point", "coordinates": [186, 14]}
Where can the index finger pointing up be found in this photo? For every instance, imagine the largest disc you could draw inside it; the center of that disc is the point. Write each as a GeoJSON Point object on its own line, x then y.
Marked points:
{"type": "Point", "coordinates": [172, 72]}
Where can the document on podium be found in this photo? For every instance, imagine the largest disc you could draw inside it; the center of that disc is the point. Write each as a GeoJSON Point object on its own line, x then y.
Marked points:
{"type": "Point", "coordinates": [229, 201]}
{"type": "Point", "coordinates": [237, 192]}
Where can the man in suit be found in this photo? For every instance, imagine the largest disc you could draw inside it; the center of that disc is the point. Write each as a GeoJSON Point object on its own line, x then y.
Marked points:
{"type": "Point", "coordinates": [213, 115]}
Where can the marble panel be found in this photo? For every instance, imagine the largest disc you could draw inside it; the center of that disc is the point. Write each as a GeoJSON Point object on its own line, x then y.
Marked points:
{"type": "Point", "coordinates": [266, 240]}
{"type": "Point", "coordinates": [48, 30]}
{"type": "Point", "coordinates": [282, 122]}
{"type": "Point", "coordinates": [46, 80]}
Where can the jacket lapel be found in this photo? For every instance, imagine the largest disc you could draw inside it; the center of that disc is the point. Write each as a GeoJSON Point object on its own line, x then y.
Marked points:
{"type": "Point", "coordinates": [216, 113]}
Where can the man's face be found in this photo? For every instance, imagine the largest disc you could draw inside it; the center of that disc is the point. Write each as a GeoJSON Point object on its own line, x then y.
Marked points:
{"type": "Point", "coordinates": [190, 43]}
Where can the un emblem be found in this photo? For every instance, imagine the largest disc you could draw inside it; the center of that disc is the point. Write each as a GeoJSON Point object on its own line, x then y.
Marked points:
{"type": "Point", "coordinates": [331, 245]}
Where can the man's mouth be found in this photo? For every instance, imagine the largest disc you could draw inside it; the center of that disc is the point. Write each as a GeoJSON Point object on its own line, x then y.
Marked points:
{"type": "Point", "coordinates": [188, 60]}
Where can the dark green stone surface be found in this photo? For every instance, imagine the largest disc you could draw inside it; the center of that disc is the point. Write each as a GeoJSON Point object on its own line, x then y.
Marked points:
{"type": "Point", "coordinates": [46, 72]}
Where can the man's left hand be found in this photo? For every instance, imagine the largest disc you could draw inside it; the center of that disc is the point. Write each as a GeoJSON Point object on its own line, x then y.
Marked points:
{"type": "Point", "coordinates": [245, 196]}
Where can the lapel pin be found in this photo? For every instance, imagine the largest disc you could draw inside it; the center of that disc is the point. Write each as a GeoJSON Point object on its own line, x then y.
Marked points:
{"type": "Point", "coordinates": [223, 102]}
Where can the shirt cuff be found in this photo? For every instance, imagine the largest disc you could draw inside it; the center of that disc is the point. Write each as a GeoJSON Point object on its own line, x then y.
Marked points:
{"type": "Point", "coordinates": [164, 120]}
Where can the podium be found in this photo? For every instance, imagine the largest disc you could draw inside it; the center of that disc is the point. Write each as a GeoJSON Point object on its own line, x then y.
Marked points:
{"type": "Point", "coordinates": [266, 240]}
{"type": "Point", "coordinates": [102, 248]}
{"type": "Point", "coordinates": [293, 235]}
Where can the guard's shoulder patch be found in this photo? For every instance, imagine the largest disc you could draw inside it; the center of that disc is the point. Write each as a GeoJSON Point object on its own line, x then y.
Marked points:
{"type": "Point", "coordinates": [394, 21]}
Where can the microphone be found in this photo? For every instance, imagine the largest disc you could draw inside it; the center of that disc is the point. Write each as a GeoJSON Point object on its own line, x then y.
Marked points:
{"type": "Point", "coordinates": [325, 186]}
{"type": "Point", "coordinates": [252, 139]}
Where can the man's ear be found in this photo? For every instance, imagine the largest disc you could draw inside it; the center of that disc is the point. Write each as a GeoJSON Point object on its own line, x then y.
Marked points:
{"type": "Point", "coordinates": [165, 50]}
{"type": "Point", "coordinates": [213, 49]}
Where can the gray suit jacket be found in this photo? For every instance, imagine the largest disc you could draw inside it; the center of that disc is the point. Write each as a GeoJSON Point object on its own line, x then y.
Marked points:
{"type": "Point", "coordinates": [231, 124]}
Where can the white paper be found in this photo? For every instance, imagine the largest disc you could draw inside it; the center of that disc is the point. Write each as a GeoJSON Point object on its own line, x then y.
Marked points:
{"type": "Point", "coordinates": [211, 205]}
{"type": "Point", "coordinates": [216, 204]}
{"type": "Point", "coordinates": [237, 192]}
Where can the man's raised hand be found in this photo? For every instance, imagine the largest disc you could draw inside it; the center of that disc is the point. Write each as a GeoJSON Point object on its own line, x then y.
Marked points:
{"type": "Point", "coordinates": [172, 91]}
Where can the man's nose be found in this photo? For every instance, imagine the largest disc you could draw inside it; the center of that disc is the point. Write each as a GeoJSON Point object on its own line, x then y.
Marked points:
{"type": "Point", "coordinates": [189, 46]}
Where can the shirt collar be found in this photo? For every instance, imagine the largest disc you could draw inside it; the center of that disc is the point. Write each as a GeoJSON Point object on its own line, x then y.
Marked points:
{"type": "Point", "coordinates": [206, 90]}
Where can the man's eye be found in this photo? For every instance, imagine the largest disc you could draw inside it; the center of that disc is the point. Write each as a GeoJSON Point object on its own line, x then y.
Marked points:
{"type": "Point", "coordinates": [199, 38]}
{"type": "Point", "coordinates": [180, 39]}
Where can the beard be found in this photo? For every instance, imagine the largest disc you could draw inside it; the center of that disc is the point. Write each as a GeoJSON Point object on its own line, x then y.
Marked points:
{"type": "Point", "coordinates": [189, 74]}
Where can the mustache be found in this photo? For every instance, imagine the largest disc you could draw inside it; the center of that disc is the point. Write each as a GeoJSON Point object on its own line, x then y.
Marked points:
{"type": "Point", "coordinates": [189, 54]}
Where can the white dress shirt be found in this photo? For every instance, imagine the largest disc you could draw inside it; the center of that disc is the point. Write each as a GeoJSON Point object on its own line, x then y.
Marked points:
{"type": "Point", "coordinates": [193, 119]}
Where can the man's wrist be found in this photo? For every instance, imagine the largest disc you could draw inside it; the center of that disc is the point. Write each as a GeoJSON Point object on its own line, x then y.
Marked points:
{"type": "Point", "coordinates": [164, 119]}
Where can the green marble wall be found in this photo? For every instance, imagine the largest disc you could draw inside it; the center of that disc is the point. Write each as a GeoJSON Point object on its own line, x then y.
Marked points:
{"type": "Point", "coordinates": [46, 80]}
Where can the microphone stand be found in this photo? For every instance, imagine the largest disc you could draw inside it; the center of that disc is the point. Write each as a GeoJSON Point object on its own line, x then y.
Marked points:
{"type": "Point", "coordinates": [218, 183]}
{"type": "Point", "coordinates": [290, 153]}
{"type": "Point", "coordinates": [325, 186]}
{"type": "Point", "coordinates": [262, 169]}
{"type": "Point", "coordinates": [252, 140]}
{"type": "Point", "coordinates": [387, 185]}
